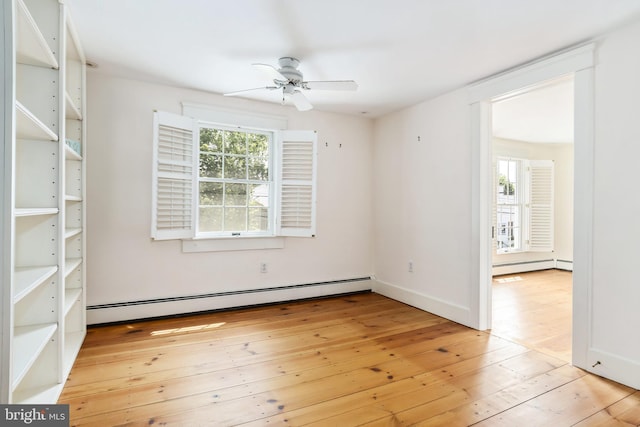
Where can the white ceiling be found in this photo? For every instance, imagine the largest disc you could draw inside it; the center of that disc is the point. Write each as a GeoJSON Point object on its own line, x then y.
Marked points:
{"type": "Point", "coordinates": [400, 52]}
{"type": "Point", "coordinates": [544, 114]}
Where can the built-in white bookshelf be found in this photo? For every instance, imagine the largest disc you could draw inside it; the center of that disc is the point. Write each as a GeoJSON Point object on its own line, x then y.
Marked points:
{"type": "Point", "coordinates": [43, 302]}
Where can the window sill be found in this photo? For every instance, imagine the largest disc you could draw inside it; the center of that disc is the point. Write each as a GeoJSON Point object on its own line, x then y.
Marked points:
{"type": "Point", "coordinates": [224, 244]}
{"type": "Point", "coordinates": [510, 252]}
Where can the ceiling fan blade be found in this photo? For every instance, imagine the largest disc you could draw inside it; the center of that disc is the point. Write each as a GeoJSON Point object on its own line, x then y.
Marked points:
{"type": "Point", "coordinates": [300, 101]}
{"type": "Point", "coordinates": [270, 71]}
{"type": "Point", "coordinates": [332, 85]}
{"type": "Point", "coordinates": [238, 92]}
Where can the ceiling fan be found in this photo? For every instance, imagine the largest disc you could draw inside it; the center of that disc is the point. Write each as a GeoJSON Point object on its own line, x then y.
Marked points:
{"type": "Point", "coordinates": [289, 79]}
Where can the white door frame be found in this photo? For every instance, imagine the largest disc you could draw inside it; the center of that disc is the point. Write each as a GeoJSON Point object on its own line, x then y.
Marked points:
{"type": "Point", "coordinates": [579, 62]}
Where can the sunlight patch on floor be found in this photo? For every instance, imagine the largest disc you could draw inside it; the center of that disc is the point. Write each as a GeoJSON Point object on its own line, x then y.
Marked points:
{"type": "Point", "coordinates": [188, 329]}
{"type": "Point", "coordinates": [508, 279]}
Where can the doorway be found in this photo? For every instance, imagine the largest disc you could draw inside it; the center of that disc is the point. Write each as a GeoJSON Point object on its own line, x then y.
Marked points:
{"type": "Point", "coordinates": [579, 62]}
{"type": "Point", "coordinates": [532, 216]}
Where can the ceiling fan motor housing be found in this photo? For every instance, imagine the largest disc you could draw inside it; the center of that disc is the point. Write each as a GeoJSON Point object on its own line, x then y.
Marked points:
{"type": "Point", "coordinates": [289, 69]}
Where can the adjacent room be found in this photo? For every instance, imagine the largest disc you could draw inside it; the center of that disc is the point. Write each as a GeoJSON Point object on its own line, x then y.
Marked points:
{"type": "Point", "coordinates": [532, 205]}
{"type": "Point", "coordinates": [282, 212]}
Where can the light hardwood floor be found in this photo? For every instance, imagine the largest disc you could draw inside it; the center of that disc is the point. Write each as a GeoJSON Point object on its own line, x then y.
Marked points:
{"type": "Point", "coordinates": [534, 309]}
{"type": "Point", "coordinates": [346, 361]}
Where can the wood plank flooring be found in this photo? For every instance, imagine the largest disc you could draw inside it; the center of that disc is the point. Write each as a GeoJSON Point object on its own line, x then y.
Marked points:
{"type": "Point", "coordinates": [354, 360]}
{"type": "Point", "coordinates": [534, 309]}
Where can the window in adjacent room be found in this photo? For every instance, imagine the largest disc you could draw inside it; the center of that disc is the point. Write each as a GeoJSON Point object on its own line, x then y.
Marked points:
{"type": "Point", "coordinates": [524, 205]}
{"type": "Point", "coordinates": [510, 205]}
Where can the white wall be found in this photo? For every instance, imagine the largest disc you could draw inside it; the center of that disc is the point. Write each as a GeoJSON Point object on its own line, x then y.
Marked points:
{"type": "Point", "coordinates": [124, 264]}
{"type": "Point", "coordinates": [423, 208]}
{"type": "Point", "coordinates": [562, 155]}
{"type": "Point", "coordinates": [422, 205]}
{"type": "Point", "coordinates": [616, 287]}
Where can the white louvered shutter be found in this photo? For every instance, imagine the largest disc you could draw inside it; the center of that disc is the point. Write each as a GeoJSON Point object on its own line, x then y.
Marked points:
{"type": "Point", "coordinates": [541, 213]}
{"type": "Point", "coordinates": [297, 189]}
{"type": "Point", "coordinates": [174, 164]}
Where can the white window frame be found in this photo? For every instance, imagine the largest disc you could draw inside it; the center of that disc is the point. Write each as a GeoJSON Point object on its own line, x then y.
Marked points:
{"type": "Point", "coordinates": [536, 198]}
{"type": "Point", "coordinates": [302, 207]}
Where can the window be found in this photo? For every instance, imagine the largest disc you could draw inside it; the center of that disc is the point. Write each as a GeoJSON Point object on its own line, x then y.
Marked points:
{"type": "Point", "coordinates": [235, 182]}
{"type": "Point", "coordinates": [524, 205]}
{"type": "Point", "coordinates": [510, 206]}
{"type": "Point", "coordinates": [221, 181]}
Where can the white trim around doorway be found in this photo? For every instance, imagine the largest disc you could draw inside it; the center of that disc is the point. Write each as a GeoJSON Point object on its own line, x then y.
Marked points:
{"type": "Point", "coordinates": [578, 61]}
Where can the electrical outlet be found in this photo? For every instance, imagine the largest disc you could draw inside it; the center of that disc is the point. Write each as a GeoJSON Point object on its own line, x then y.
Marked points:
{"type": "Point", "coordinates": [263, 267]}
{"type": "Point", "coordinates": [410, 266]}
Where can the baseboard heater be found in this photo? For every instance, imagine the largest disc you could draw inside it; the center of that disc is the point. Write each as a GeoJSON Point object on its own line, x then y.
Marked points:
{"type": "Point", "coordinates": [157, 307]}
{"type": "Point", "coordinates": [524, 266]}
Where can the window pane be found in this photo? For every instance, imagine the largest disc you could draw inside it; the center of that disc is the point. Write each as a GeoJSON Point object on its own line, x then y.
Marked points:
{"type": "Point", "coordinates": [210, 219]}
{"type": "Point", "coordinates": [235, 142]}
{"type": "Point", "coordinates": [509, 227]}
{"type": "Point", "coordinates": [259, 195]}
{"type": "Point", "coordinates": [211, 193]}
{"type": "Point", "coordinates": [235, 195]}
{"type": "Point", "coordinates": [211, 165]}
{"type": "Point", "coordinates": [235, 167]}
{"type": "Point", "coordinates": [235, 219]}
{"type": "Point", "coordinates": [258, 168]}
{"type": "Point", "coordinates": [210, 140]}
{"type": "Point", "coordinates": [507, 181]}
{"type": "Point", "coordinates": [258, 144]}
{"type": "Point", "coordinates": [258, 219]}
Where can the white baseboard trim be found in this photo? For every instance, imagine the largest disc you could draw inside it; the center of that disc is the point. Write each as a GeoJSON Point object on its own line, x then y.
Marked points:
{"type": "Point", "coordinates": [564, 265]}
{"type": "Point", "coordinates": [125, 311]}
{"type": "Point", "coordinates": [624, 371]}
{"type": "Point", "coordinates": [424, 302]}
{"type": "Point", "coordinates": [522, 267]}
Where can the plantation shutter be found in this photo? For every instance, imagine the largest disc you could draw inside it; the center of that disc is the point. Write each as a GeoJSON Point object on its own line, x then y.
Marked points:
{"type": "Point", "coordinates": [174, 162]}
{"type": "Point", "coordinates": [297, 189]}
{"type": "Point", "coordinates": [541, 206]}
